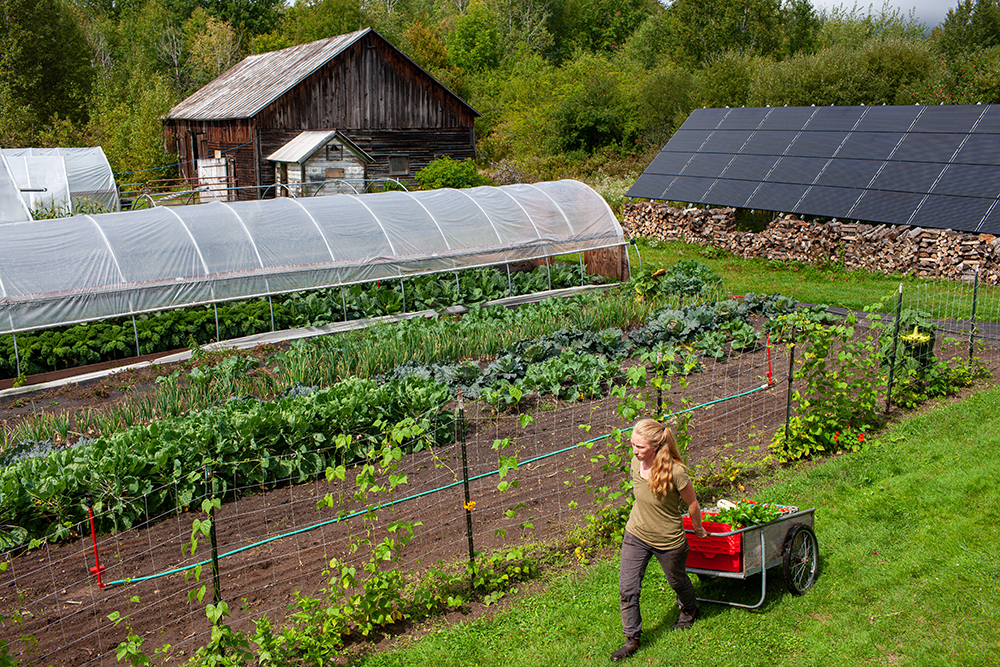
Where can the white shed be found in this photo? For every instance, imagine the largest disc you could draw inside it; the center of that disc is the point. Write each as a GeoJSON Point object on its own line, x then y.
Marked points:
{"type": "Point", "coordinates": [320, 162]}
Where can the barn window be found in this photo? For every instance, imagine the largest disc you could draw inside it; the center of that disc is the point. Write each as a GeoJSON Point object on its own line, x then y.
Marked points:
{"type": "Point", "coordinates": [398, 165]}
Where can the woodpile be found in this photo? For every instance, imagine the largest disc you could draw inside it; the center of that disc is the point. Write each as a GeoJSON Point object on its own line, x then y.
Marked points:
{"type": "Point", "coordinates": [927, 253]}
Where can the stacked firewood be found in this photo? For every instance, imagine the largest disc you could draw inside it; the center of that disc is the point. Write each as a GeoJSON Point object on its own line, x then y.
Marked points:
{"type": "Point", "coordinates": [928, 253]}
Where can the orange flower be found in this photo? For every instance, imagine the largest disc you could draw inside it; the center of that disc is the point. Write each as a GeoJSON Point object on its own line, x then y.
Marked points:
{"type": "Point", "coordinates": [861, 437]}
{"type": "Point", "coordinates": [470, 505]}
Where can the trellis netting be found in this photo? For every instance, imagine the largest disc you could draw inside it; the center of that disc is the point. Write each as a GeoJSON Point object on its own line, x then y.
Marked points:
{"type": "Point", "coordinates": [91, 267]}
{"type": "Point", "coordinates": [62, 177]}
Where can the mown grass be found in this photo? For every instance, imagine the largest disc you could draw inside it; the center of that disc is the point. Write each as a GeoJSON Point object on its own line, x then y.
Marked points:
{"type": "Point", "coordinates": [908, 537]}
{"type": "Point", "coordinates": [833, 285]}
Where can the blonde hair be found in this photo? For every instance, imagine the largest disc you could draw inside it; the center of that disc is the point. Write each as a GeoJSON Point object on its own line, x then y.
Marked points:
{"type": "Point", "coordinates": [661, 437]}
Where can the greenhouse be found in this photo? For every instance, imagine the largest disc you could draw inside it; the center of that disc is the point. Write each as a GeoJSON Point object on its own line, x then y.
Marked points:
{"type": "Point", "coordinates": [62, 178]}
{"type": "Point", "coordinates": [92, 267]}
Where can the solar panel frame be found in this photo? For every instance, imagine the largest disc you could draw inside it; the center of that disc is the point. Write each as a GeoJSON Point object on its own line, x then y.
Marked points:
{"type": "Point", "coordinates": [796, 170]}
{"type": "Point", "coordinates": [828, 201]}
{"type": "Point", "coordinates": [908, 176]}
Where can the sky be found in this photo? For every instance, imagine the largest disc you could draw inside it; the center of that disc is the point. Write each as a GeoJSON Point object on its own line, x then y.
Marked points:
{"type": "Point", "coordinates": [929, 12]}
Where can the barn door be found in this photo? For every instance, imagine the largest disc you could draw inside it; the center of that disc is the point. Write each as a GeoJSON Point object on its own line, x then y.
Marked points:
{"type": "Point", "coordinates": [215, 179]}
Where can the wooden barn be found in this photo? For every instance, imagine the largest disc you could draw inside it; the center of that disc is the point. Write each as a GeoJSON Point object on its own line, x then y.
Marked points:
{"type": "Point", "coordinates": [357, 84]}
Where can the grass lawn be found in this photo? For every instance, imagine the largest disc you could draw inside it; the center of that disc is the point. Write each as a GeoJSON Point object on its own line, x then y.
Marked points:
{"type": "Point", "coordinates": [831, 285]}
{"type": "Point", "coordinates": [910, 575]}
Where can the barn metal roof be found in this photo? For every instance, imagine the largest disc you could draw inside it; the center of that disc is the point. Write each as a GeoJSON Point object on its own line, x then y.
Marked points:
{"type": "Point", "coordinates": [302, 147]}
{"type": "Point", "coordinates": [245, 89]}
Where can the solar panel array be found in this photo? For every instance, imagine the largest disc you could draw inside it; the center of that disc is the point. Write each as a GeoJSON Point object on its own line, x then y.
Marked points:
{"type": "Point", "coordinates": [929, 166]}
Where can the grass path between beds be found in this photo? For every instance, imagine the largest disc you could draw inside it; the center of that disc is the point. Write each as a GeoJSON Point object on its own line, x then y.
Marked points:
{"type": "Point", "coordinates": [909, 537]}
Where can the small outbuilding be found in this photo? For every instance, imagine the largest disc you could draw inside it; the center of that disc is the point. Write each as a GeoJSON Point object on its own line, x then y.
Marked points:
{"type": "Point", "coordinates": [318, 163]}
{"type": "Point", "coordinates": [358, 84]}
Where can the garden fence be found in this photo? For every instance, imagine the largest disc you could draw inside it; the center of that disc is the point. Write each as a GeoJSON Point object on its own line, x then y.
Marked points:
{"type": "Point", "coordinates": [276, 540]}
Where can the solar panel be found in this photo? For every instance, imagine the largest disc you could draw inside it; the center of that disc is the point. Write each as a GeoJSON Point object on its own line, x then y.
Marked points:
{"type": "Point", "coordinates": [726, 141]}
{"type": "Point", "coordinates": [980, 149]}
{"type": "Point", "coordinates": [686, 188]}
{"type": "Point", "coordinates": [669, 163]}
{"type": "Point", "coordinates": [941, 212]}
{"type": "Point", "coordinates": [829, 202]}
{"type": "Point", "coordinates": [991, 225]}
{"type": "Point", "coordinates": [969, 180]}
{"type": "Point", "coordinates": [907, 176]}
{"type": "Point", "coordinates": [990, 121]}
{"type": "Point", "coordinates": [797, 169]}
{"type": "Point", "coordinates": [928, 147]}
{"type": "Point", "coordinates": [744, 119]}
{"type": "Point", "coordinates": [708, 164]}
{"type": "Point", "coordinates": [705, 119]}
{"type": "Point", "coordinates": [776, 196]}
{"type": "Point", "coordinates": [870, 145]}
{"type": "Point", "coordinates": [788, 118]}
{"type": "Point", "coordinates": [766, 142]}
{"type": "Point", "coordinates": [948, 119]}
{"type": "Point", "coordinates": [648, 186]}
{"type": "Point", "coordinates": [732, 190]}
{"type": "Point", "coordinates": [932, 166]}
{"type": "Point", "coordinates": [894, 207]}
{"type": "Point", "coordinates": [749, 166]}
{"type": "Point", "coordinates": [809, 144]}
{"type": "Point", "coordinates": [687, 140]}
{"type": "Point", "coordinates": [849, 173]}
{"type": "Point", "coordinates": [835, 118]}
{"type": "Point", "coordinates": [888, 119]}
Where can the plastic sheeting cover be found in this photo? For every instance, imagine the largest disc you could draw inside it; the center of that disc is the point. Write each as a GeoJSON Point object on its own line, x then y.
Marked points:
{"type": "Point", "coordinates": [12, 206]}
{"type": "Point", "coordinates": [85, 172]}
{"type": "Point", "coordinates": [68, 270]}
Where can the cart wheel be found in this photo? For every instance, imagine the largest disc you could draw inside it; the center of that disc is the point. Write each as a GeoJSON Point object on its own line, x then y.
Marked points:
{"type": "Point", "coordinates": [800, 561]}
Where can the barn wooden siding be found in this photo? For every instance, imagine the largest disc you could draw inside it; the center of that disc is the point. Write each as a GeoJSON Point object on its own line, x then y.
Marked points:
{"type": "Point", "coordinates": [370, 92]}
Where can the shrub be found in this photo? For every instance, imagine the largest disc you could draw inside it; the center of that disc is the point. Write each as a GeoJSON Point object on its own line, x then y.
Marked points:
{"type": "Point", "coordinates": [447, 173]}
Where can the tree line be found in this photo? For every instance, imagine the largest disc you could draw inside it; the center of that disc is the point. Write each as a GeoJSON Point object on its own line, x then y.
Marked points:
{"type": "Point", "coordinates": [563, 86]}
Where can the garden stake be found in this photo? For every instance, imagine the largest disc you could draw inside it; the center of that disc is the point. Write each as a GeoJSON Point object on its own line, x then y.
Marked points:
{"type": "Point", "coordinates": [770, 380]}
{"type": "Point", "coordinates": [659, 386]}
{"type": "Point", "coordinates": [210, 480]}
{"type": "Point", "coordinates": [218, 336]}
{"type": "Point", "coordinates": [98, 568]}
{"type": "Point", "coordinates": [271, 304]}
{"type": "Point", "coordinates": [895, 342]}
{"type": "Point", "coordinates": [791, 370]}
{"type": "Point", "coordinates": [975, 295]}
{"type": "Point", "coordinates": [135, 330]}
{"type": "Point", "coordinates": [343, 302]}
{"type": "Point", "coordinates": [460, 433]}
{"type": "Point", "coordinates": [403, 288]}
{"type": "Point", "coordinates": [17, 357]}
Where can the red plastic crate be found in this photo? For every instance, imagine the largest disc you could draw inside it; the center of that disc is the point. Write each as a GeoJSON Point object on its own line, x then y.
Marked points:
{"type": "Point", "coordinates": [723, 554]}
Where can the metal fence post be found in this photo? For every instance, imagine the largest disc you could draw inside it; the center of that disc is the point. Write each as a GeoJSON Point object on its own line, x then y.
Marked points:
{"type": "Point", "coordinates": [460, 435]}
{"type": "Point", "coordinates": [791, 372]}
{"type": "Point", "coordinates": [895, 343]}
{"type": "Point", "coordinates": [216, 585]}
{"type": "Point", "coordinates": [975, 299]}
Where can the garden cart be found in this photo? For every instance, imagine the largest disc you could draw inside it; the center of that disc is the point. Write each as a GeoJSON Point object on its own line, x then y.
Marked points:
{"type": "Point", "coordinates": [788, 541]}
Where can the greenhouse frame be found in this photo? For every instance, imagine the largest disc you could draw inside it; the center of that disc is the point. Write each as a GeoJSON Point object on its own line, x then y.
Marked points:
{"type": "Point", "coordinates": [93, 267]}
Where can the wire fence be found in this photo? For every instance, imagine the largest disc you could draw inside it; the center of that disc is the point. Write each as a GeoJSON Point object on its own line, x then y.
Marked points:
{"type": "Point", "coordinates": [275, 540]}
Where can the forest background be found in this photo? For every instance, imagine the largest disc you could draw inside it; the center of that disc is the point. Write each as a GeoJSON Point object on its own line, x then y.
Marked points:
{"type": "Point", "coordinates": [567, 88]}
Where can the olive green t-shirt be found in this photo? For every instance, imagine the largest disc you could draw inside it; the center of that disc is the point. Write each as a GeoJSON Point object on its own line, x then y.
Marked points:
{"type": "Point", "coordinates": [657, 521]}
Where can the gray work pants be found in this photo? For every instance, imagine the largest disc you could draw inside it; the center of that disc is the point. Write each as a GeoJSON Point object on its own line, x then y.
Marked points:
{"type": "Point", "coordinates": [635, 558]}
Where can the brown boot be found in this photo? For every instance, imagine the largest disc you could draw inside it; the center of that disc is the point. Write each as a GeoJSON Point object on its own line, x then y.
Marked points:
{"type": "Point", "coordinates": [630, 646]}
{"type": "Point", "coordinates": [686, 619]}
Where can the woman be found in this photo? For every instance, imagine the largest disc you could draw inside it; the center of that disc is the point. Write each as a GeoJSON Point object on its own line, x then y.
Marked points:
{"type": "Point", "coordinates": [659, 482]}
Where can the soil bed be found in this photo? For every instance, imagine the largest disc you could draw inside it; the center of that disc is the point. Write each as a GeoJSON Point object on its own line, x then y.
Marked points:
{"type": "Point", "coordinates": [66, 612]}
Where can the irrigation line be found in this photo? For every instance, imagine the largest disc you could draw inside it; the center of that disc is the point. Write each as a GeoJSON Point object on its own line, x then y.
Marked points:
{"type": "Point", "coordinates": [415, 496]}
